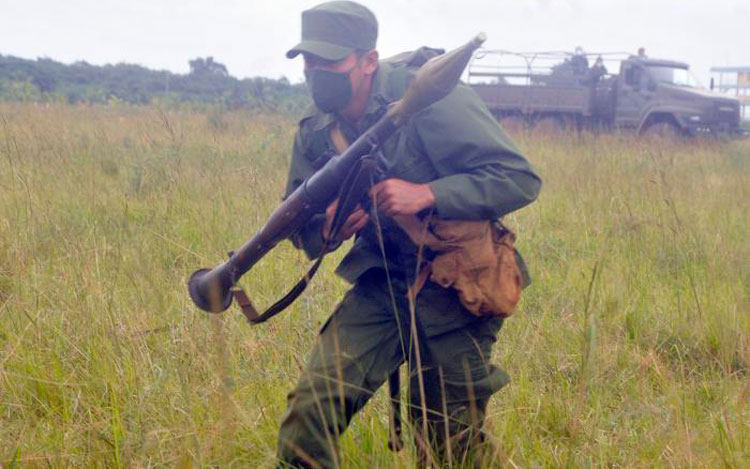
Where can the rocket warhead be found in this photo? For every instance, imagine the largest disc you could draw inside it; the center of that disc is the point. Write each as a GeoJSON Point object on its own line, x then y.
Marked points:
{"type": "Point", "coordinates": [435, 80]}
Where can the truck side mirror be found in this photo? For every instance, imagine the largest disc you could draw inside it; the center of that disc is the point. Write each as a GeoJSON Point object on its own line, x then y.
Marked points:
{"type": "Point", "coordinates": [712, 84]}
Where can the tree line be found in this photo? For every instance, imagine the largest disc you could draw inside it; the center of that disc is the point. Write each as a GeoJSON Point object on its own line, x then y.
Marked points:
{"type": "Point", "coordinates": [208, 83]}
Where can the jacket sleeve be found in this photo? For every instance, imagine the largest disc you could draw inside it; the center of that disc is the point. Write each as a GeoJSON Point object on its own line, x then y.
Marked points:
{"type": "Point", "coordinates": [310, 237]}
{"type": "Point", "coordinates": [481, 174]}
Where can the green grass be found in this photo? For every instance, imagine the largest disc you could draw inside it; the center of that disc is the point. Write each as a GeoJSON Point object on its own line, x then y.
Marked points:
{"type": "Point", "coordinates": [632, 346]}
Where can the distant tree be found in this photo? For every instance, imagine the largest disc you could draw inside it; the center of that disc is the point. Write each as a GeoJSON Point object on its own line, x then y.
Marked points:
{"type": "Point", "coordinates": [207, 66]}
{"type": "Point", "coordinates": [44, 75]}
{"type": "Point", "coordinates": [208, 83]}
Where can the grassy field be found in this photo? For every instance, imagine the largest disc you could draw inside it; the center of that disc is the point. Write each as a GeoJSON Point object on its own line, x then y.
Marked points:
{"type": "Point", "coordinates": [631, 349]}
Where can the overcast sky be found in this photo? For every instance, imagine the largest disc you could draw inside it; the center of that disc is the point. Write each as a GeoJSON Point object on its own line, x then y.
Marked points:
{"type": "Point", "coordinates": [250, 37]}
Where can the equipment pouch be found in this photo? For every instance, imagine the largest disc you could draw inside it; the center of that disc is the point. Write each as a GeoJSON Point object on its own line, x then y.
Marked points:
{"type": "Point", "coordinates": [476, 258]}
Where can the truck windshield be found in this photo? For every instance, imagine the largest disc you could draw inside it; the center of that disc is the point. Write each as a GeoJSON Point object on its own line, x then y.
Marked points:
{"type": "Point", "coordinates": [673, 76]}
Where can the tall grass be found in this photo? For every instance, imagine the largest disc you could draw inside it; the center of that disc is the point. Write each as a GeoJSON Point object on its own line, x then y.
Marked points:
{"type": "Point", "coordinates": [632, 346]}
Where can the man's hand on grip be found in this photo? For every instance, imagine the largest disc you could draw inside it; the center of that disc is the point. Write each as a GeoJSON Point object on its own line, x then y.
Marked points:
{"type": "Point", "coordinates": [399, 197]}
{"type": "Point", "coordinates": [356, 221]}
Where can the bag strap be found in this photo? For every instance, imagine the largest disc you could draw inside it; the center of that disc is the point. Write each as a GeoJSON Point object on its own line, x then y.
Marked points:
{"type": "Point", "coordinates": [337, 138]}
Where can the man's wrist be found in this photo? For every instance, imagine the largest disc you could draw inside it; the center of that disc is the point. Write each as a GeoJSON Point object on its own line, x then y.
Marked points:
{"type": "Point", "coordinates": [427, 198]}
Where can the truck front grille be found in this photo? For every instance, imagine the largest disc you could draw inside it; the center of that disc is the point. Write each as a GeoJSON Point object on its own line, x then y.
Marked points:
{"type": "Point", "coordinates": [727, 113]}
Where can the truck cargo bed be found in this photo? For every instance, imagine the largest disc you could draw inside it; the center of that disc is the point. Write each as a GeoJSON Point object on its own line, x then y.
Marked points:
{"type": "Point", "coordinates": [535, 99]}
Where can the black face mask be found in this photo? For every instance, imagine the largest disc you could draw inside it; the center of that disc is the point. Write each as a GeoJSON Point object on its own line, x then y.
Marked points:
{"type": "Point", "coordinates": [331, 91]}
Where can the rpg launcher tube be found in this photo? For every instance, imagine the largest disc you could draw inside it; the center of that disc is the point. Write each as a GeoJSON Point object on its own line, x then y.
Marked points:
{"type": "Point", "coordinates": [210, 289]}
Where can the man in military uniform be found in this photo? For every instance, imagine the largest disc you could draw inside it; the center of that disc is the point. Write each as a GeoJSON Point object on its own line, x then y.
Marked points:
{"type": "Point", "coordinates": [451, 159]}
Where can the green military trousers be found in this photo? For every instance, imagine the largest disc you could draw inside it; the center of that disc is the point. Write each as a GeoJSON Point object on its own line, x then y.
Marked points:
{"type": "Point", "coordinates": [359, 347]}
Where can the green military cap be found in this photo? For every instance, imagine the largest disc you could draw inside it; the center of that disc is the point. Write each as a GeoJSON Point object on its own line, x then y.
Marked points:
{"type": "Point", "coordinates": [333, 30]}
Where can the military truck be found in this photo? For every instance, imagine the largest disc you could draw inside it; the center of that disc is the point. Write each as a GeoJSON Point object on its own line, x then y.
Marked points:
{"type": "Point", "coordinates": [557, 91]}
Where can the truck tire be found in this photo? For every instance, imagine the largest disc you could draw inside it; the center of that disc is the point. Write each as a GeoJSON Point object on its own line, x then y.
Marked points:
{"type": "Point", "coordinates": [662, 131]}
{"type": "Point", "coordinates": [550, 125]}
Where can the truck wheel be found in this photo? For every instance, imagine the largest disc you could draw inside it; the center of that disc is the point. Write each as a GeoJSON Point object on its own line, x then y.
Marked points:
{"type": "Point", "coordinates": [513, 124]}
{"type": "Point", "coordinates": [550, 125]}
{"type": "Point", "coordinates": [662, 131]}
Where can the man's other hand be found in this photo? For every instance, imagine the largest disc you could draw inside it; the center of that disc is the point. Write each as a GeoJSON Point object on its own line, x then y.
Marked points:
{"type": "Point", "coordinates": [356, 221]}
{"type": "Point", "coordinates": [399, 197]}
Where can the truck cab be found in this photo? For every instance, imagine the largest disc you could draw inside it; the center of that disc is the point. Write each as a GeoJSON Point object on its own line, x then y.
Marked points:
{"type": "Point", "coordinates": [663, 96]}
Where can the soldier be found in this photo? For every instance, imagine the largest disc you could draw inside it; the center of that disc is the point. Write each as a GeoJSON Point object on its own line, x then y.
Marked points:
{"type": "Point", "coordinates": [452, 159]}
{"type": "Point", "coordinates": [597, 71]}
{"type": "Point", "coordinates": [579, 61]}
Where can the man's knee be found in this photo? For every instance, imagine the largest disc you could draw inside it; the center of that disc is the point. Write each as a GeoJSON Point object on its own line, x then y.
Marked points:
{"type": "Point", "coordinates": [322, 405]}
{"type": "Point", "coordinates": [310, 428]}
